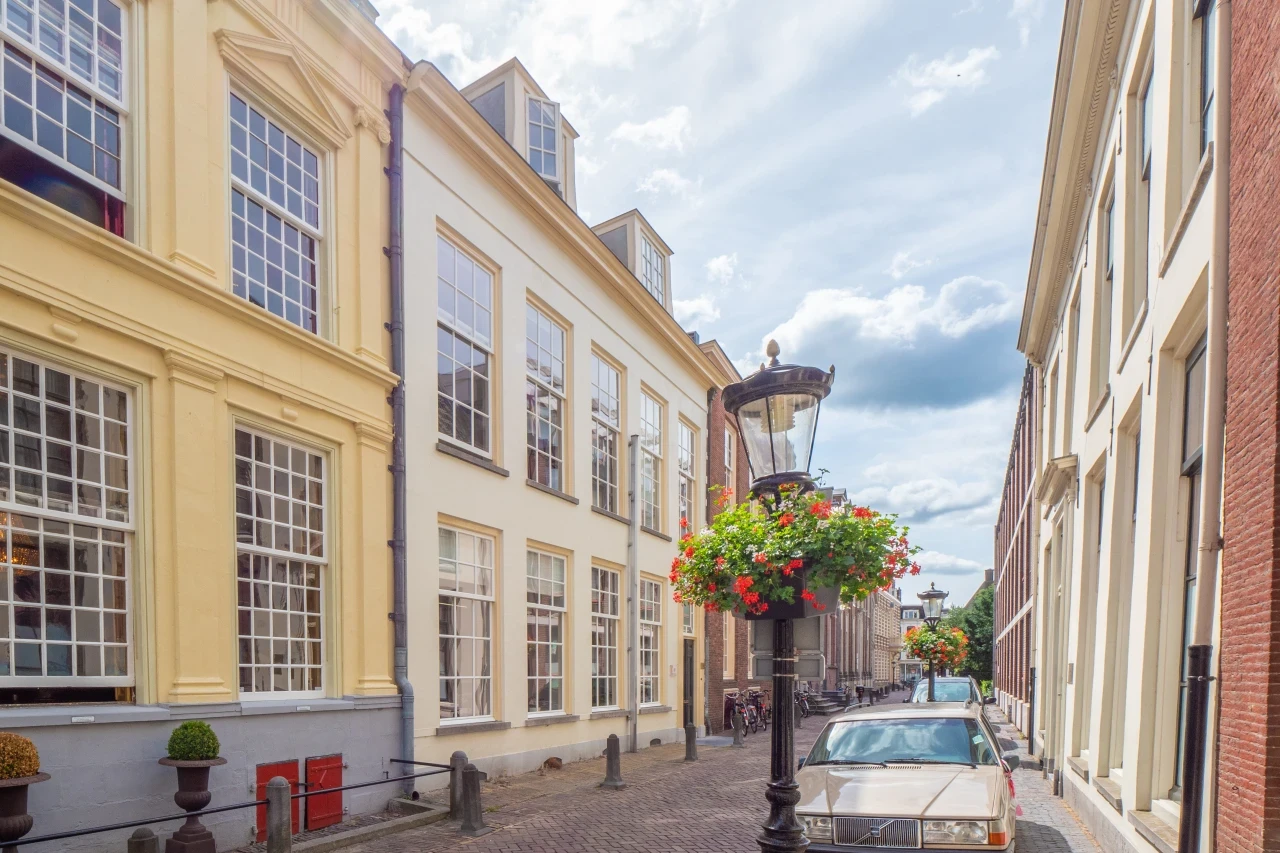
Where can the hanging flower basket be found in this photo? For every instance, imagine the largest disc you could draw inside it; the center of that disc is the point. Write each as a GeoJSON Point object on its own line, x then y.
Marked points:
{"type": "Point", "coordinates": [945, 648]}
{"type": "Point", "coordinates": [789, 557]}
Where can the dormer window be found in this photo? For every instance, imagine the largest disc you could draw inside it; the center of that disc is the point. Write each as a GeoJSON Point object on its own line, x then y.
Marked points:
{"type": "Point", "coordinates": [652, 266]}
{"type": "Point", "coordinates": [543, 120]}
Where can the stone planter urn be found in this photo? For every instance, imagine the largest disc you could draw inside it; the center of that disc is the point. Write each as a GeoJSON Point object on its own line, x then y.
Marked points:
{"type": "Point", "coordinates": [828, 597]}
{"type": "Point", "coordinates": [14, 820]}
{"type": "Point", "coordinates": [192, 796]}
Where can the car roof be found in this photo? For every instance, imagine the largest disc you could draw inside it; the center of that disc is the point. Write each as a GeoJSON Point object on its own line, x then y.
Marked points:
{"type": "Point", "coordinates": [966, 679]}
{"type": "Point", "coordinates": [912, 711]}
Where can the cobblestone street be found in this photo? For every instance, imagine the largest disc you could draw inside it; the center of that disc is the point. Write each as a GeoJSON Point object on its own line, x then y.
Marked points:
{"type": "Point", "coordinates": [714, 805]}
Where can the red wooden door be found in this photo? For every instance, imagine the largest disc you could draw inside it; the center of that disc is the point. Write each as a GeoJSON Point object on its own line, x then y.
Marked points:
{"type": "Point", "coordinates": [267, 772]}
{"type": "Point", "coordinates": [324, 771]}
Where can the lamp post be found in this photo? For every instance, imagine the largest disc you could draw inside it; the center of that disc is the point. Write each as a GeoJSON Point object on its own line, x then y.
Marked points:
{"type": "Point", "coordinates": [931, 602]}
{"type": "Point", "coordinates": [777, 412]}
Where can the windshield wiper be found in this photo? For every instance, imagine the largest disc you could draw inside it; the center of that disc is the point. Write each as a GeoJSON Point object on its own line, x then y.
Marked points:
{"type": "Point", "coordinates": [929, 761]}
{"type": "Point", "coordinates": [846, 761]}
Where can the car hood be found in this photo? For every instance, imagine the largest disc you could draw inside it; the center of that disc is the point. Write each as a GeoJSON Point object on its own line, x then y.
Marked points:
{"type": "Point", "coordinates": [921, 791]}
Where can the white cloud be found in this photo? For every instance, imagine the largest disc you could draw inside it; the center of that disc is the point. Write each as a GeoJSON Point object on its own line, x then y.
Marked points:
{"type": "Point", "coordinates": [669, 181]}
{"type": "Point", "coordinates": [449, 44]}
{"type": "Point", "coordinates": [700, 309]}
{"type": "Point", "coordinates": [935, 78]}
{"type": "Point", "coordinates": [938, 563]}
{"type": "Point", "coordinates": [1027, 13]}
{"type": "Point", "coordinates": [928, 499]}
{"type": "Point", "coordinates": [903, 263]}
{"type": "Point", "coordinates": [974, 6]}
{"type": "Point", "coordinates": [668, 131]}
{"type": "Point", "coordinates": [722, 268]}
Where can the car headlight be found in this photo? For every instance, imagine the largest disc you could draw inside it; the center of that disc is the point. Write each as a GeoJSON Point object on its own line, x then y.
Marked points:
{"type": "Point", "coordinates": [816, 827]}
{"type": "Point", "coordinates": [955, 832]}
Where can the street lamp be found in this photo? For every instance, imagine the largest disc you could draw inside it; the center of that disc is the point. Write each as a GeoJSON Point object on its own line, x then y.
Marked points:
{"type": "Point", "coordinates": [777, 412]}
{"type": "Point", "coordinates": [931, 603]}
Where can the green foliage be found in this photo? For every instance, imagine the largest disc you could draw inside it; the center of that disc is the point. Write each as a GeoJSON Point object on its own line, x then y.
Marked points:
{"type": "Point", "coordinates": [749, 554]}
{"type": "Point", "coordinates": [977, 621]}
{"type": "Point", "coordinates": [18, 757]}
{"type": "Point", "coordinates": [194, 740]}
{"type": "Point", "coordinates": [985, 687]}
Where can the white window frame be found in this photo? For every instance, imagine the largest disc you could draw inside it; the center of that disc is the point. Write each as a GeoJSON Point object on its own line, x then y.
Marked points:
{"type": "Point", "coordinates": [1204, 15]}
{"type": "Point", "coordinates": [687, 470]}
{"type": "Point", "coordinates": [728, 638]}
{"type": "Point", "coordinates": [651, 599]}
{"type": "Point", "coordinates": [541, 604]}
{"type": "Point", "coordinates": [114, 534]}
{"type": "Point", "coordinates": [542, 151]}
{"type": "Point", "coordinates": [474, 336]}
{"type": "Point", "coordinates": [61, 66]}
{"type": "Point", "coordinates": [482, 595]}
{"type": "Point", "coordinates": [653, 269]}
{"type": "Point", "coordinates": [250, 555]}
{"type": "Point", "coordinates": [544, 353]}
{"type": "Point", "coordinates": [605, 621]}
{"type": "Point", "coordinates": [606, 424]}
{"type": "Point", "coordinates": [651, 423]}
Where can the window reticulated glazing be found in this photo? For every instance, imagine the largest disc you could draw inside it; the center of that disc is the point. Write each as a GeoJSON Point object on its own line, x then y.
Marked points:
{"type": "Point", "coordinates": [545, 597]}
{"type": "Point", "coordinates": [650, 642]}
{"type": "Point", "coordinates": [542, 138]}
{"type": "Point", "coordinates": [466, 625]}
{"type": "Point", "coordinates": [606, 416]}
{"type": "Point", "coordinates": [604, 638]}
{"type": "Point", "coordinates": [652, 270]}
{"type": "Point", "coordinates": [650, 463]}
{"type": "Point", "coordinates": [464, 346]}
{"type": "Point", "coordinates": [83, 38]}
{"type": "Point", "coordinates": [686, 466]}
{"type": "Point", "coordinates": [544, 398]}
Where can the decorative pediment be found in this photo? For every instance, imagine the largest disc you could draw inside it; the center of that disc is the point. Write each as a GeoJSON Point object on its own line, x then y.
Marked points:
{"type": "Point", "coordinates": [262, 64]}
{"type": "Point", "coordinates": [1057, 479]}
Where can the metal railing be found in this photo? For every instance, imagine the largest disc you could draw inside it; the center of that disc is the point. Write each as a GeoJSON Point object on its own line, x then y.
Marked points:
{"type": "Point", "coordinates": [131, 824]}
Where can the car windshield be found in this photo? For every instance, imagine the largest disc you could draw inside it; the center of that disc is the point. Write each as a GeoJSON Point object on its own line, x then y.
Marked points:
{"type": "Point", "coordinates": [944, 691]}
{"type": "Point", "coordinates": [944, 740]}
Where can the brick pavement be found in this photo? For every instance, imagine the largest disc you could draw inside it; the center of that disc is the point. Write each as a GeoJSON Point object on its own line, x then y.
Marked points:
{"type": "Point", "coordinates": [714, 805]}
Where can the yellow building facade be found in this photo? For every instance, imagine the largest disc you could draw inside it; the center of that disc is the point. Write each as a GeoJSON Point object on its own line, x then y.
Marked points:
{"type": "Point", "coordinates": [194, 433]}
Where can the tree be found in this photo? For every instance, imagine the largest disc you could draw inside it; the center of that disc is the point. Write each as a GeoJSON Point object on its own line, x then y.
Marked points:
{"type": "Point", "coordinates": [977, 621]}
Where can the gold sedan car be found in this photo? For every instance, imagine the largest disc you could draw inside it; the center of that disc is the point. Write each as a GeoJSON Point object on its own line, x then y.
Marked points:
{"type": "Point", "coordinates": [919, 776]}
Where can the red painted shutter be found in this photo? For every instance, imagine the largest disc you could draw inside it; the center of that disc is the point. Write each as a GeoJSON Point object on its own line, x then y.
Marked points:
{"type": "Point", "coordinates": [267, 772]}
{"type": "Point", "coordinates": [323, 772]}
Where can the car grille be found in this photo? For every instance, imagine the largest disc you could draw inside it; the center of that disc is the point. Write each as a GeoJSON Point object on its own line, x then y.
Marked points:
{"type": "Point", "coordinates": [877, 832]}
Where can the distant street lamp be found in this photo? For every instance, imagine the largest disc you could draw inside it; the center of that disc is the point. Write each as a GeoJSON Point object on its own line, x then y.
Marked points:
{"type": "Point", "coordinates": [931, 602]}
{"type": "Point", "coordinates": [777, 412]}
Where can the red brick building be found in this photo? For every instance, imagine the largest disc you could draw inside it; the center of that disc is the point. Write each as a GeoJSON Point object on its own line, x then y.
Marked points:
{"type": "Point", "coordinates": [1248, 768]}
{"type": "Point", "coordinates": [1014, 564]}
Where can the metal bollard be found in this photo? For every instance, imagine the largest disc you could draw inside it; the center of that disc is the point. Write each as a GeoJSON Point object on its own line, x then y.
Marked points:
{"type": "Point", "coordinates": [143, 841]}
{"type": "Point", "coordinates": [739, 729]}
{"type": "Point", "coordinates": [613, 765]}
{"type": "Point", "coordinates": [456, 762]}
{"type": "Point", "coordinates": [690, 742]}
{"type": "Point", "coordinates": [472, 813]}
{"type": "Point", "coordinates": [279, 817]}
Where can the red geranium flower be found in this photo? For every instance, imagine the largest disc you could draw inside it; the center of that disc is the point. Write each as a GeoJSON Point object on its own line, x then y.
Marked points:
{"type": "Point", "coordinates": [742, 584]}
{"type": "Point", "coordinates": [684, 522]}
{"type": "Point", "coordinates": [795, 564]}
{"type": "Point", "coordinates": [862, 512]}
{"type": "Point", "coordinates": [807, 595]}
{"type": "Point", "coordinates": [786, 518]}
{"type": "Point", "coordinates": [688, 552]}
{"type": "Point", "coordinates": [711, 587]}
{"type": "Point", "coordinates": [761, 558]}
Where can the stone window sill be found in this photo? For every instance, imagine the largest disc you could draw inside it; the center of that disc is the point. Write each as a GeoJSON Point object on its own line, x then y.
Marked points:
{"type": "Point", "coordinates": [553, 492]}
{"type": "Point", "coordinates": [609, 713]}
{"type": "Point", "coordinates": [551, 719]}
{"type": "Point", "coordinates": [1098, 407]}
{"type": "Point", "coordinates": [1110, 792]}
{"type": "Point", "coordinates": [653, 532]}
{"type": "Point", "coordinates": [467, 456]}
{"type": "Point", "coordinates": [1080, 766]}
{"type": "Point", "coordinates": [1198, 183]}
{"type": "Point", "coordinates": [1155, 830]}
{"type": "Point", "coordinates": [472, 728]}
{"type": "Point", "coordinates": [612, 515]}
{"type": "Point", "coordinates": [1135, 329]}
{"type": "Point", "coordinates": [655, 709]}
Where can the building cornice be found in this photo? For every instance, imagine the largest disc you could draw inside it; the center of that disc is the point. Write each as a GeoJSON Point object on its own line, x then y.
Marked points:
{"type": "Point", "coordinates": [444, 108]}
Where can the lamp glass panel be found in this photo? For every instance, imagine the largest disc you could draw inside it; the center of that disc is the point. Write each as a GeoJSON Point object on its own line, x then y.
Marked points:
{"type": "Point", "coordinates": [753, 424]}
{"type": "Point", "coordinates": [794, 418]}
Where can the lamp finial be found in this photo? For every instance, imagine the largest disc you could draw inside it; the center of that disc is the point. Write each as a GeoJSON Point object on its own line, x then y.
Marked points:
{"type": "Point", "coordinates": [772, 350]}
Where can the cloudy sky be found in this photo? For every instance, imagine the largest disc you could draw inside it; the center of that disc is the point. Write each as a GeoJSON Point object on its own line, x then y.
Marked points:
{"type": "Point", "coordinates": [856, 178]}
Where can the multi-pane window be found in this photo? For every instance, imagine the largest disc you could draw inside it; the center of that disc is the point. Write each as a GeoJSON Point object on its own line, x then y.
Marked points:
{"type": "Point", "coordinates": [1206, 12]}
{"type": "Point", "coordinates": [464, 346]}
{"type": "Point", "coordinates": [65, 525]}
{"type": "Point", "coordinates": [466, 625]}
{"type": "Point", "coordinates": [542, 138]}
{"type": "Point", "coordinates": [604, 638]}
{"type": "Point", "coordinates": [650, 463]}
{"type": "Point", "coordinates": [686, 619]}
{"type": "Point", "coordinates": [544, 595]}
{"type": "Point", "coordinates": [544, 398]}
{"type": "Point", "coordinates": [280, 564]}
{"type": "Point", "coordinates": [275, 217]}
{"type": "Point", "coordinates": [730, 456]}
{"type": "Point", "coordinates": [686, 469]}
{"type": "Point", "coordinates": [606, 415]}
{"type": "Point", "coordinates": [64, 84]}
{"type": "Point", "coordinates": [652, 270]}
{"type": "Point", "coordinates": [1192, 450]}
{"type": "Point", "coordinates": [1146, 129]}
{"type": "Point", "coordinates": [650, 642]}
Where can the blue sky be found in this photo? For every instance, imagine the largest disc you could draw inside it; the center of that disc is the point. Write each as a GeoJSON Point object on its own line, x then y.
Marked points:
{"type": "Point", "coordinates": [855, 178]}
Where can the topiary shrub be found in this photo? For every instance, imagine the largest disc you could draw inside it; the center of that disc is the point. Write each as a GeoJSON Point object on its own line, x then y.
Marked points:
{"type": "Point", "coordinates": [18, 757]}
{"type": "Point", "coordinates": [194, 740]}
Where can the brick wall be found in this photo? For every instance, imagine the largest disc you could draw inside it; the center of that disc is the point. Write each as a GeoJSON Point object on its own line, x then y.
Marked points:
{"type": "Point", "coordinates": [1014, 562]}
{"type": "Point", "coordinates": [1248, 787]}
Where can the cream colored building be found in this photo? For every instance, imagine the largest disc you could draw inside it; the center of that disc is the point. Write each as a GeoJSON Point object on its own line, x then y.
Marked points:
{"type": "Point", "coordinates": [887, 638]}
{"type": "Point", "coordinates": [1120, 319]}
{"type": "Point", "coordinates": [547, 381]}
{"type": "Point", "coordinates": [910, 668]}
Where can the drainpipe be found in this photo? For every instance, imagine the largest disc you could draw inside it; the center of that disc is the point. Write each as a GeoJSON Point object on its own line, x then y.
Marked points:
{"type": "Point", "coordinates": [633, 599]}
{"type": "Point", "coordinates": [706, 633]}
{"type": "Point", "coordinates": [1200, 653]}
{"type": "Point", "coordinates": [395, 254]}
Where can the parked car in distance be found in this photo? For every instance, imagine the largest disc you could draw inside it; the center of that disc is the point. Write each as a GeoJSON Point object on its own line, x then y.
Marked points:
{"type": "Point", "coordinates": [908, 776]}
{"type": "Point", "coordinates": [956, 688]}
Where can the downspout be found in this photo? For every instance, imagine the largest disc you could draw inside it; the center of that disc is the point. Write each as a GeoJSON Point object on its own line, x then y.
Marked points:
{"type": "Point", "coordinates": [1200, 653]}
{"type": "Point", "coordinates": [706, 633]}
{"type": "Point", "coordinates": [633, 599]}
{"type": "Point", "coordinates": [395, 255]}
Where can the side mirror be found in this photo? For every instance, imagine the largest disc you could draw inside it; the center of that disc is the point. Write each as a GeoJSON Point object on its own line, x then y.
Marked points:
{"type": "Point", "coordinates": [989, 700]}
{"type": "Point", "coordinates": [799, 763]}
{"type": "Point", "coordinates": [1011, 760]}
